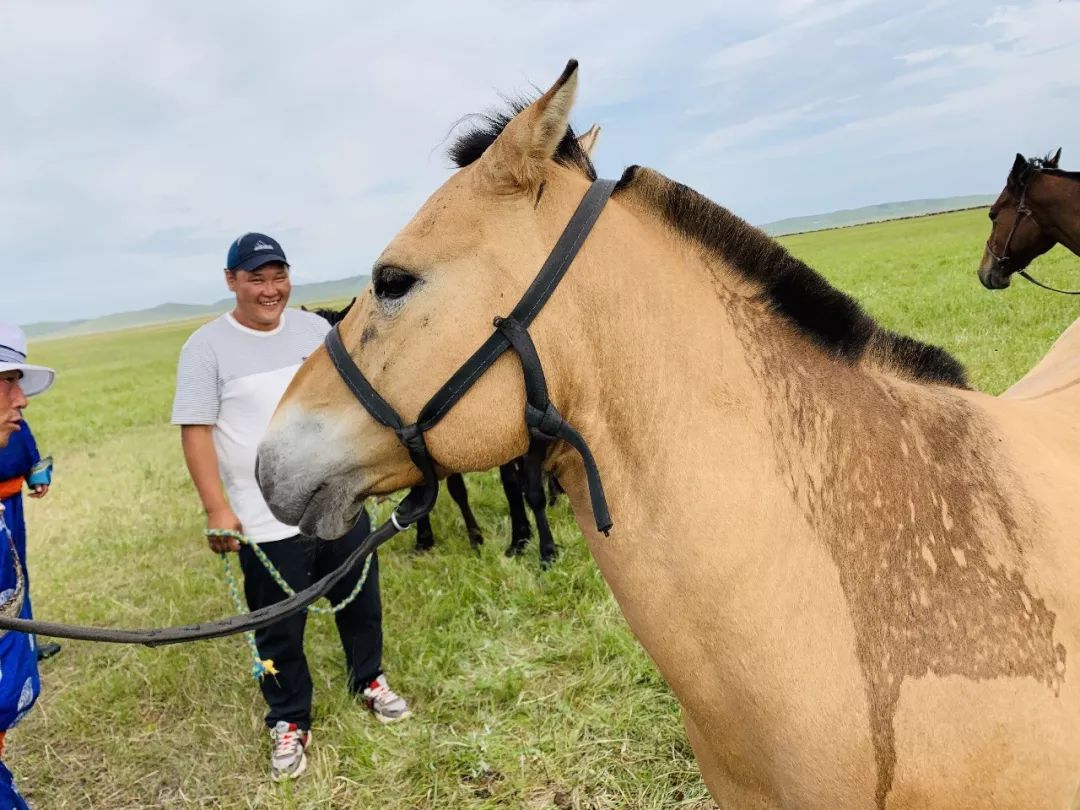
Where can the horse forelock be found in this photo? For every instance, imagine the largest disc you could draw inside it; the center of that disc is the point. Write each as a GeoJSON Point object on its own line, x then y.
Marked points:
{"type": "Point", "coordinates": [481, 130]}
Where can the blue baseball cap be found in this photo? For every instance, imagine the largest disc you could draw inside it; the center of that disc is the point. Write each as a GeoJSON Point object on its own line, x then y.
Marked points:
{"type": "Point", "coordinates": [252, 250]}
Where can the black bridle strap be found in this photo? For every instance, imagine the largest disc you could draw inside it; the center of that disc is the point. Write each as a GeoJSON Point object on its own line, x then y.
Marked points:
{"type": "Point", "coordinates": [538, 293]}
{"type": "Point", "coordinates": [421, 499]}
{"type": "Point", "coordinates": [1038, 283]}
{"type": "Point", "coordinates": [224, 627]}
{"type": "Point", "coordinates": [545, 423]}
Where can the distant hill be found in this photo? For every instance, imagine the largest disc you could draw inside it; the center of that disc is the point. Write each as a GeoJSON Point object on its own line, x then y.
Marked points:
{"type": "Point", "coordinates": [875, 213]}
{"type": "Point", "coordinates": [316, 292]}
{"type": "Point", "coordinates": [345, 288]}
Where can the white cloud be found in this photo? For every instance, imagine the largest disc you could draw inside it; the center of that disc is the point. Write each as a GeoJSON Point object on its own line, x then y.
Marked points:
{"type": "Point", "coordinates": [140, 138]}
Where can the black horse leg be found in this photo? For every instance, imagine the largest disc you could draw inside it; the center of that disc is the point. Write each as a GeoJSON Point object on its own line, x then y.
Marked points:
{"type": "Point", "coordinates": [534, 495]}
{"type": "Point", "coordinates": [456, 484]}
{"type": "Point", "coordinates": [554, 489]}
{"type": "Point", "coordinates": [425, 538]}
{"type": "Point", "coordinates": [520, 531]}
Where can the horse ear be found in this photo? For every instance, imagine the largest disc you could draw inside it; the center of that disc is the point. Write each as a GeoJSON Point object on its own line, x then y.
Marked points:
{"type": "Point", "coordinates": [1053, 161]}
{"type": "Point", "coordinates": [1018, 167]}
{"type": "Point", "coordinates": [587, 140]}
{"type": "Point", "coordinates": [516, 158]}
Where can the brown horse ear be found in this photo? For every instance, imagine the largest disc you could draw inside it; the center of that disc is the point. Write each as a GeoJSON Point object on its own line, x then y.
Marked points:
{"type": "Point", "coordinates": [1018, 167]}
{"type": "Point", "coordinates": [1053, 161]}
{"type": "Point", "coordinates": [587, 140]}
{"type": "Point", "coordinates": [516, 158]}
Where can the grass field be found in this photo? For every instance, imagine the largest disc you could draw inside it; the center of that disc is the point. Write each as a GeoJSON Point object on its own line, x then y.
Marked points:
{"type": "Point", "coordinates": [527, 687]}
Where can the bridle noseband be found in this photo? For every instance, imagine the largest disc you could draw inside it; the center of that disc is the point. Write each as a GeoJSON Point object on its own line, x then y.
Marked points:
{"type": "Point", "coordinates": [545, 423]}
{"type": "Point", "coordinates": [1022, 210]}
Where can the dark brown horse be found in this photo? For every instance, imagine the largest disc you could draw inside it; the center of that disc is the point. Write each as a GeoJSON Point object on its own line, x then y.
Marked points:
{"type": "Point", "coordinates": [1038, 208]}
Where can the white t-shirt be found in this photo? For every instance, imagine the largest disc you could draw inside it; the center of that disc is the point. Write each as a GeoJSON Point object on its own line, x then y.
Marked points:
{"type": "Point", "coordinates": [233, 377]}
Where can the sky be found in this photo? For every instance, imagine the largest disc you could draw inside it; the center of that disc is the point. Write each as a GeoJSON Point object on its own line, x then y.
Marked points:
{"type": "Point", "coordinates": [138, 139]}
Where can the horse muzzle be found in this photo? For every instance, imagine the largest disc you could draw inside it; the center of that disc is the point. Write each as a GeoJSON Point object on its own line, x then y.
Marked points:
{"type": "Point", "coordinates": [993, 273]}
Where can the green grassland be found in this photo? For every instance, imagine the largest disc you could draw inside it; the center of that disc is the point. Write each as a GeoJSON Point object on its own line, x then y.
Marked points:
{"type": "Point", "coordinates": [528, 689]}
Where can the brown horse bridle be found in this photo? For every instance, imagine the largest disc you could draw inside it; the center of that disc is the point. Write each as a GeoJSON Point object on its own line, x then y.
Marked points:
{"type": "Point", "coordinates": [1022, 210]}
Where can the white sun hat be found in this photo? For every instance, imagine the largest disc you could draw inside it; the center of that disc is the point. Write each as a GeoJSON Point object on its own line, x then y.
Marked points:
{"type": "Point", "coordinates": [35, 379]}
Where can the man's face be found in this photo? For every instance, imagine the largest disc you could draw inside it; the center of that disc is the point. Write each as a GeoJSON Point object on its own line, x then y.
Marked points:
{"type": "Point", "coordinates": [12, 401]}
{"type": "Point", "coordinates": [261, 294]}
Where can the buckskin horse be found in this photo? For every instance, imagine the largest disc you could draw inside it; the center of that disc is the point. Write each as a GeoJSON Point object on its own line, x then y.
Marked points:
{"type": "Point", "coordinates": [1038, 208]}
{"type": "Point", "coordinates": [859, 577]}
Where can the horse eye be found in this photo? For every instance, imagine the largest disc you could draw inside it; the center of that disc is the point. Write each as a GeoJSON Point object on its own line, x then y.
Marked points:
{"type": "Point", "coordinates": [391, 283]}
{"type": "Point", "coordinates": [992, 215]}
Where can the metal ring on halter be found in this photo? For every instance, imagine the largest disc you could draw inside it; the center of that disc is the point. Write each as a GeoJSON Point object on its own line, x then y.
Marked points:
{"type": "Point", "coordinates": [394, 521]}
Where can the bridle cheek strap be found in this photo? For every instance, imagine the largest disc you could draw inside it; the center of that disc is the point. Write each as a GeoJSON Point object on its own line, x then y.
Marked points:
{"type": "Point", "coordinates": [545, 423]}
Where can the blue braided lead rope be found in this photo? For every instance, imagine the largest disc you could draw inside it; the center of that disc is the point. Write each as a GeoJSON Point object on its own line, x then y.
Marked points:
{"type": "Point", "coordinates": [261, 667]}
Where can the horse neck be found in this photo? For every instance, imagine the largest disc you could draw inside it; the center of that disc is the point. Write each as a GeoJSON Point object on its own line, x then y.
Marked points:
{"type": "Point", "coordinates": [711, 415]}
{"type": "Point", "coordinates": [1055, 202]}
{"type": "Point", "coordinates": [700, 402]}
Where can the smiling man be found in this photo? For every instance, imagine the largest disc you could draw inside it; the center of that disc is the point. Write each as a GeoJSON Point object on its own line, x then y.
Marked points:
{"type": "Point", "coordinates": [231, 374]}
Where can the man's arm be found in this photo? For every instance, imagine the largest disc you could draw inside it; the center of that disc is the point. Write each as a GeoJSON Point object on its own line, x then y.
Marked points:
{"type": "Point", "coordinates": [195, 409]}
{"type": "Point", "coordinates": [198, 442]}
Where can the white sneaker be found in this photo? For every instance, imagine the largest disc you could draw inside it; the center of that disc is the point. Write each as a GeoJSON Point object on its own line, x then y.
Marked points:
{"type": "Point", "coordinates": [288, 760]}
{"type": "Point", "coordinates": [386, 704]}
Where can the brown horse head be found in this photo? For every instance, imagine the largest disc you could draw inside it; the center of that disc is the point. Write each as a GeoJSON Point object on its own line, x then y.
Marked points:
{"type": "Point", "coordinates": [467, 255]}
{"type": "Point", "coordinates": [1016, 236]}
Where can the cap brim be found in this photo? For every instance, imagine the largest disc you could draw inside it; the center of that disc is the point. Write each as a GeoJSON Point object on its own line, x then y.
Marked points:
{"type": "Point", "coordinates": [255, 262]}
{"type": "Point", "coordinates": [35, 379]}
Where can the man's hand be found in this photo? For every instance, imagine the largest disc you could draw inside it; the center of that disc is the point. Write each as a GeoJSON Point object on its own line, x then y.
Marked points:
{"type": "Point", "coordinates": [223, 518]}
{"type": "Point", "coordinates": [39, 491]}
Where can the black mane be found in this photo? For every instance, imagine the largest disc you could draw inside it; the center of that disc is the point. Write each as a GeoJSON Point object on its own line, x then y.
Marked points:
{"type": "Point", "coordinates": [484, 128]}
{"type": "Point", "coordinates": [830, 318]}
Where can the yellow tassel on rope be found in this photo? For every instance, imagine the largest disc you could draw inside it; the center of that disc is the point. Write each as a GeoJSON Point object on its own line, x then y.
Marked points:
{"type": "Point", "coordinates": [268, 666]}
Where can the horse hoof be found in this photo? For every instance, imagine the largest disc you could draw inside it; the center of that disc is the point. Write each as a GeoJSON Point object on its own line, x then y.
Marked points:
{"type": "Point", "coordinates": [515, 550]}
{"type": "Point", "coordinates": [423, 549]}
{"type": "Point", "coordinates": [476, 539]}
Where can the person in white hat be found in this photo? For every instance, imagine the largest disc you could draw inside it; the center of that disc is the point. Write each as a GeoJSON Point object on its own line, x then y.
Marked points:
{"type": "Point", "coordinates": [19, 684]}
{"type": "Point", "coordinates": [32, 380]}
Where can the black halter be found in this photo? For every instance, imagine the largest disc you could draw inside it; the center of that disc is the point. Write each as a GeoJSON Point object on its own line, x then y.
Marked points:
{"type": "Point", "coordinates": [545, 424]}
{"type": "Point", "coordinates": [544, 421]}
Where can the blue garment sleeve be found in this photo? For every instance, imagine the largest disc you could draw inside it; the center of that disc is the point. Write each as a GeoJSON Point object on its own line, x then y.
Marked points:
{"type": "Point", "coordinates": [15, 459]}
{"type": "Point", "coordinates": [31, 449]}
